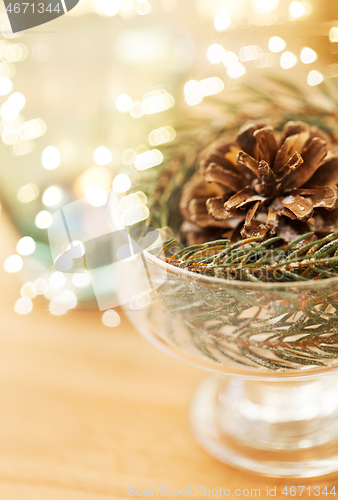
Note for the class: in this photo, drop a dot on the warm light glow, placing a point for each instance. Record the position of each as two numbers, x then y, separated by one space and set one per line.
121 183
162 135
215 53
229 58
24 305
52 196
52 292
297 9
51 158
25 246
235 70
211 86
333 34
43 219
276 44
28 193
102 156
133 200
136 110
250 53
22 147
265 60
57 279
28 290
80 279
13 264
32 129
40 286
143 8
111 318
68 298
288 60
134 215
9 112
308 55
222 21
314 78
129 156
5 85
10 135
148 159
57 308
124 103
17 100
111 7
265 6
96 196
157 101
101 176
193 93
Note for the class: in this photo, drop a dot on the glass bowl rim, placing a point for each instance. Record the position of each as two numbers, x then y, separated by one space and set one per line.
310 284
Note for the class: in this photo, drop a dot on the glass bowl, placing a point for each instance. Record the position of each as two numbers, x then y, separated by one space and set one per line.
271 404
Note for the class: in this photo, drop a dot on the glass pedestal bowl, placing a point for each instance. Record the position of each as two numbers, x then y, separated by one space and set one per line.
271 403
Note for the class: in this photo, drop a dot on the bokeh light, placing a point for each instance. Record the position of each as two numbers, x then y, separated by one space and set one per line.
229 58
102 156
96 196
148 159
50 158
44 219
235 70
215 53
17 100
24 305
124 103
28 193
265 6
193 93
314 78
28 290
162 135
333 34
121 183
5 85
297 9
80 279
52 196
25 246
57 308
276 44
40 286
308 56
111 318
13 264
100 176
288 60
57 279
222 21
134 215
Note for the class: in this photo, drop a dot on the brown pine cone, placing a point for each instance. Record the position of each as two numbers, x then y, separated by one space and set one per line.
263 185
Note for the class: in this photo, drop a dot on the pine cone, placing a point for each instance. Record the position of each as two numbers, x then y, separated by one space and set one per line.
263 185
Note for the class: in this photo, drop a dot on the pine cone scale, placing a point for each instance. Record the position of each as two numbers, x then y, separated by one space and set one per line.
263 183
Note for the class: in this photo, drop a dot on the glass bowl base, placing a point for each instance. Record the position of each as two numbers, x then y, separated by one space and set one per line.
275 429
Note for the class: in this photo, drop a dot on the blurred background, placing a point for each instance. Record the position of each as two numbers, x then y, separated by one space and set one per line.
82 96
83 415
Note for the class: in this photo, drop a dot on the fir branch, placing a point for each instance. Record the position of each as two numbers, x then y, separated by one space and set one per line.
247 259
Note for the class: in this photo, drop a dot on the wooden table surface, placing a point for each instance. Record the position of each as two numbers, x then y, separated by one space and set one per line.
87 411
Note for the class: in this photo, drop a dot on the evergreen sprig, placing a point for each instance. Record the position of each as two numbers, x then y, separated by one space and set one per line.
252 259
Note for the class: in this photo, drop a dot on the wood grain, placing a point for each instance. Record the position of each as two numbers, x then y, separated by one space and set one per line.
86 411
